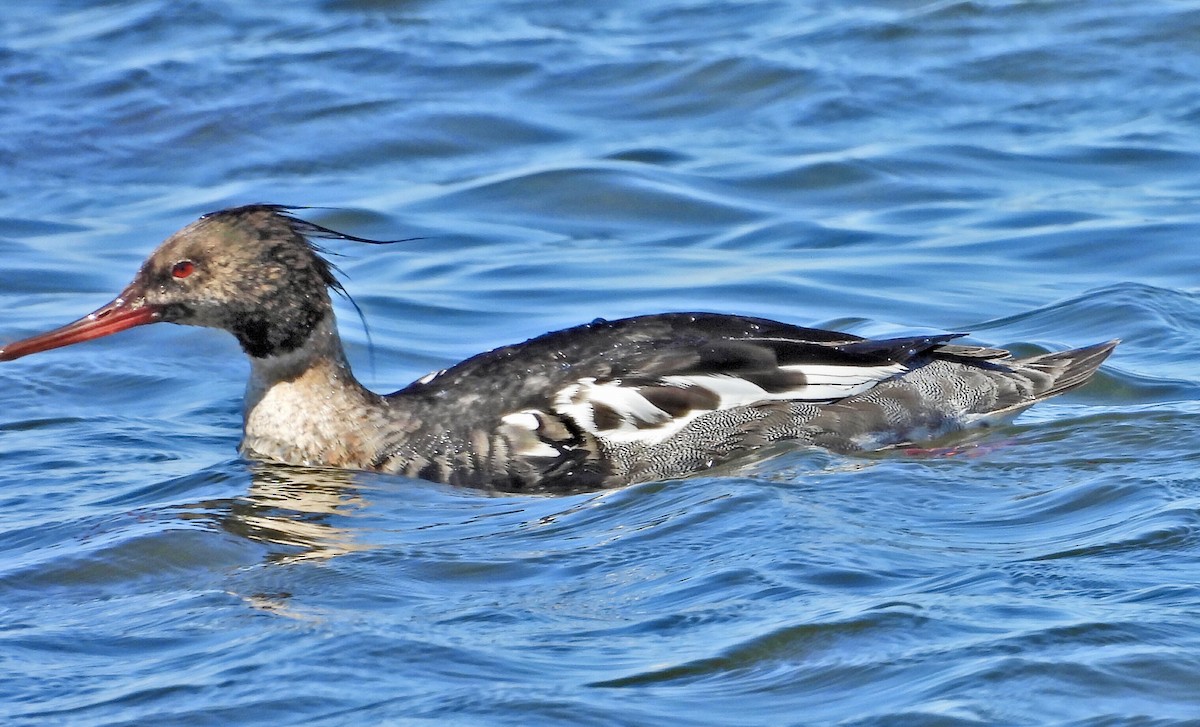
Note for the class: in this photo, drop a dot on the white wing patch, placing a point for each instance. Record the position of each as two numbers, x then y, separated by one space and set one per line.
627 401
523 430
827 382
622 412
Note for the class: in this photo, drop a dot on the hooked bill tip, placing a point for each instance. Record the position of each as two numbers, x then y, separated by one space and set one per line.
114 317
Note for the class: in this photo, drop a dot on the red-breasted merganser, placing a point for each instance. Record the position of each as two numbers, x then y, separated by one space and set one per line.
603 404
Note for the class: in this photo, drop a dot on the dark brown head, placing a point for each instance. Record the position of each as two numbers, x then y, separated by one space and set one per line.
248 270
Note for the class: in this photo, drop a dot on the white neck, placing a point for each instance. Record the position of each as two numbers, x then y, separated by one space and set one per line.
306 407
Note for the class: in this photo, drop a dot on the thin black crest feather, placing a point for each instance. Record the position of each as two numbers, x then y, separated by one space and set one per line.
312 229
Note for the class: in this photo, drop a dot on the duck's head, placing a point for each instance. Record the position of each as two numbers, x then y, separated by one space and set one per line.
249 270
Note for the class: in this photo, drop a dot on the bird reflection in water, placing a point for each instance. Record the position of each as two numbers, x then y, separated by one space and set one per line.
289 508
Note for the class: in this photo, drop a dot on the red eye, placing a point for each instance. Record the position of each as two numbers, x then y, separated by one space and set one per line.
183 268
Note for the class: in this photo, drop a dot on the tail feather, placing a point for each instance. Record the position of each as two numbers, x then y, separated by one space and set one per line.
1064 370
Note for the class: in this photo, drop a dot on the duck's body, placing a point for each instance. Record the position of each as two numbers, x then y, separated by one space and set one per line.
607 403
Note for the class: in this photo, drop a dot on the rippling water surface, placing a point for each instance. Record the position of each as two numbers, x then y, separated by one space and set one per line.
1026 171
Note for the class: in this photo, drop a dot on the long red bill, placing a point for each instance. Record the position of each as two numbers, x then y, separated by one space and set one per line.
116 316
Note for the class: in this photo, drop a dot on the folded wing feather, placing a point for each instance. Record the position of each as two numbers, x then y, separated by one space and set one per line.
651 405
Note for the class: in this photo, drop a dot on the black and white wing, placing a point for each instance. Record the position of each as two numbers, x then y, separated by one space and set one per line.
655 396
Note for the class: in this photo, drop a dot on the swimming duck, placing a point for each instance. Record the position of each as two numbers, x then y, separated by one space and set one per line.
603 404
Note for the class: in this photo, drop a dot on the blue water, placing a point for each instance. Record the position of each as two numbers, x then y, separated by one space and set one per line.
1025 171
